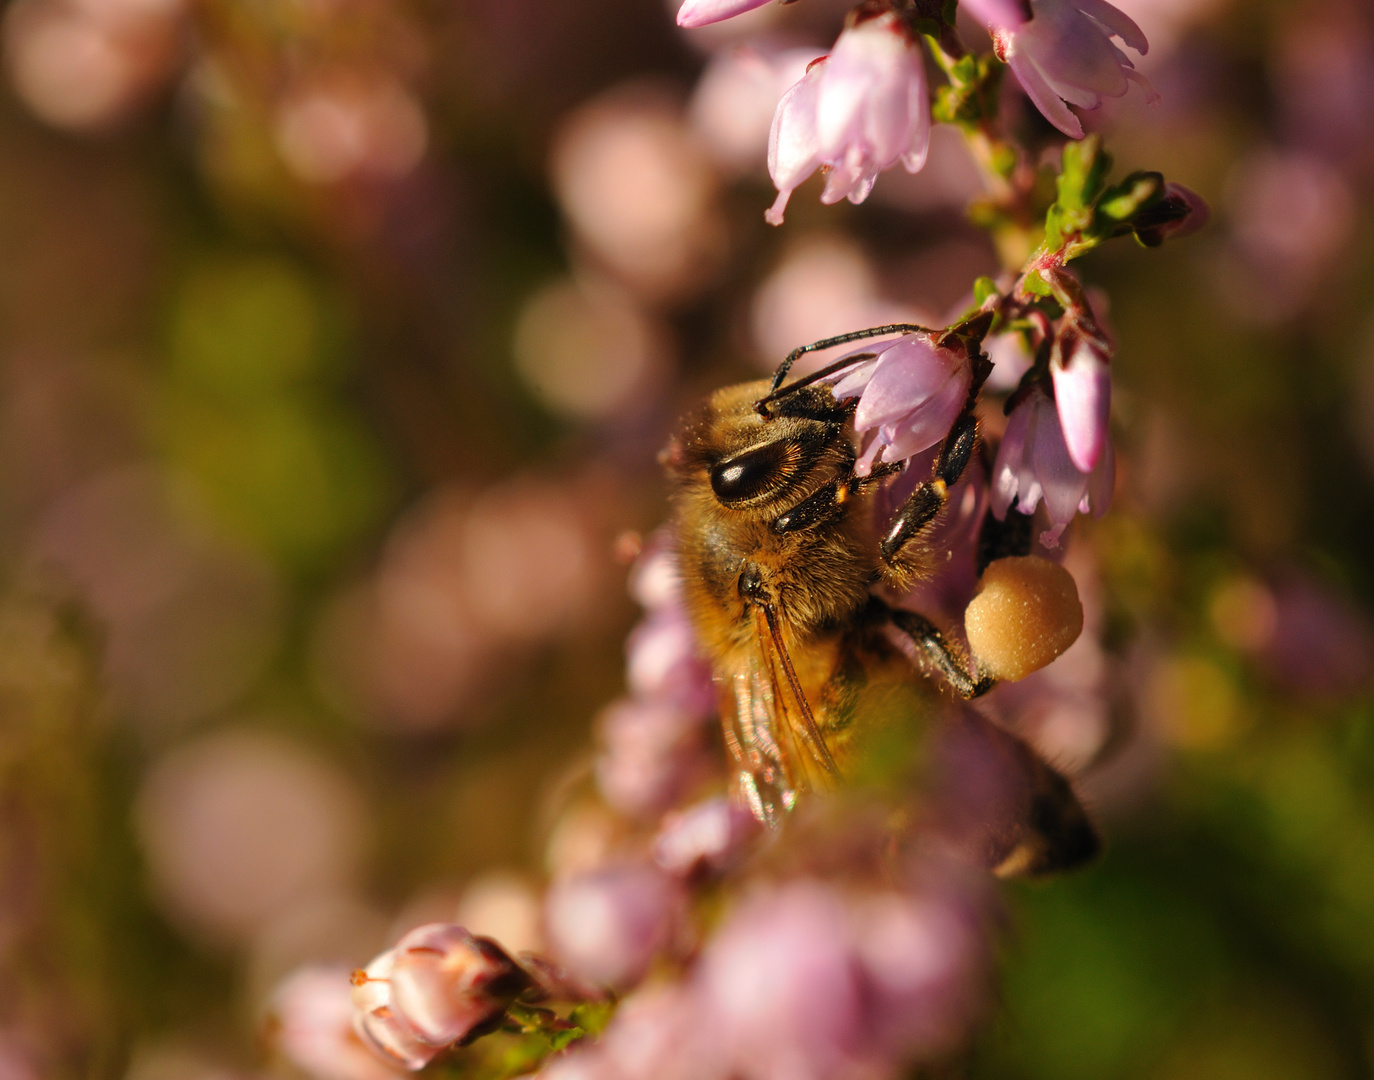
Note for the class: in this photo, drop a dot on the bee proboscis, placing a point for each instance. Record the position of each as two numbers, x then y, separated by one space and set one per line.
780 551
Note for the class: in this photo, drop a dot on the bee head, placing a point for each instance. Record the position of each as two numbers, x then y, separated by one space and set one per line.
753 460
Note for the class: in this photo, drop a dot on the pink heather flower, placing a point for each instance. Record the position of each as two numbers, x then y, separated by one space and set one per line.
377 1021
909 397
650 754
712 834
656 1032
1063 52
856 113
923 960
446 983
1033 462
607 925
694 13
1079 366
313 1013
782 989
664 664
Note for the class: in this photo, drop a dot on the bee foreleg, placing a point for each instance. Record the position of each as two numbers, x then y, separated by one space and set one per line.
828 502
937 651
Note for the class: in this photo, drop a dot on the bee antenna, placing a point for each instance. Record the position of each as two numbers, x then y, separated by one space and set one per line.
761 406
843 339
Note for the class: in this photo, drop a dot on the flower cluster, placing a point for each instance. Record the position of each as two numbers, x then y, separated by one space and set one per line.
806 979
865 106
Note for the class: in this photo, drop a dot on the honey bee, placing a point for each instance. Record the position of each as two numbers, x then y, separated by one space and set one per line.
781 549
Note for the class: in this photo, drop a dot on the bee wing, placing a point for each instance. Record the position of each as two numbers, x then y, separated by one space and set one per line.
770 731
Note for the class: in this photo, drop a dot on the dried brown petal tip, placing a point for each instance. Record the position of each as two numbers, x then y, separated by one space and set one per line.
1026 614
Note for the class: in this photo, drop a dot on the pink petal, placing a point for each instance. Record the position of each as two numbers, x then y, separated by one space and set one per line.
792 151
694 13
918 135
852 176
1007 467
1063 484
1101 483
1043 96
855 381
1116 21
907 375
1083 394
931 421
1076 58
996 14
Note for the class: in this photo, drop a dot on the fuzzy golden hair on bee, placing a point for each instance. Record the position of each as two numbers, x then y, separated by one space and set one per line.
785 550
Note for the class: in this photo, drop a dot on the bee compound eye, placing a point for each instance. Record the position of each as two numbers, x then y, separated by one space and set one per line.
753 473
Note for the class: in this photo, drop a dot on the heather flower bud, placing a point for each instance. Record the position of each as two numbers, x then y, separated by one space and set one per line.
1083 394
781 986
449 985
377 1022
1180 212
663 663
650 754
1025 615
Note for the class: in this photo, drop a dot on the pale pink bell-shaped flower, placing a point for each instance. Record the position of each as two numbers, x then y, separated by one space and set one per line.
1033 462
1063 52
607 925
446 983
781 987
923 960
650 753
379 1024
1083 395
663 663
857 112
712 834
910 394
694 13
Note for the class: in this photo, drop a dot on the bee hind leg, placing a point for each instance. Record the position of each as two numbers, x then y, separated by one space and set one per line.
931 644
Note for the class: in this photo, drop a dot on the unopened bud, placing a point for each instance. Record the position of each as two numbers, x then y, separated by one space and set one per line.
449 985
1180 212
377 1021
1025 615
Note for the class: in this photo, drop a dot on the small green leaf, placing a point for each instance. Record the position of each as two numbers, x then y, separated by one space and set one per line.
1124 200
983 288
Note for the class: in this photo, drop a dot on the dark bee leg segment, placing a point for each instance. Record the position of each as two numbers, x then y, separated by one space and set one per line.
828 502
932 644
814 509
929 498
1000 539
